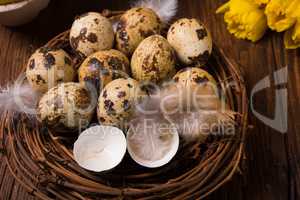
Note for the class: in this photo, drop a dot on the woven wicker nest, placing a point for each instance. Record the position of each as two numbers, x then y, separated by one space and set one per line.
43 162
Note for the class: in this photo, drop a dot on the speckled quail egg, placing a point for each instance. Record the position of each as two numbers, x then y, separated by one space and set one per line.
193 76
102 67
48 67
66 107
191 41
91 32
198 86
135 25
117 100
153 60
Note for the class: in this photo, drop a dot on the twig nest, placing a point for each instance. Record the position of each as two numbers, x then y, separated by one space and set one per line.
100 148
135 25
117 101
153 60
152 142
66 107
91 32
191 41
102 67
48 67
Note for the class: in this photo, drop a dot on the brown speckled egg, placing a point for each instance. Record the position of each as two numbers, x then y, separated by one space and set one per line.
153 60
48 67
117 100
191 41
193 76
135 25
102 67
91 32
66 107
198 86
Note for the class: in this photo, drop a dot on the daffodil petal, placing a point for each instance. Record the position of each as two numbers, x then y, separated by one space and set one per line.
277 17
245 19
292 37
223 8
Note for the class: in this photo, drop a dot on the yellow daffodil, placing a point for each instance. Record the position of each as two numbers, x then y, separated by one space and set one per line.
292 37
280 14
244 18
261 2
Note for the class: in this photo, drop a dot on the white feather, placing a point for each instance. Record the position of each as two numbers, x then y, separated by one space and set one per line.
166 9
18 98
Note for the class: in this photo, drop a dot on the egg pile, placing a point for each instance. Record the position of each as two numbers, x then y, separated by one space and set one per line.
110 81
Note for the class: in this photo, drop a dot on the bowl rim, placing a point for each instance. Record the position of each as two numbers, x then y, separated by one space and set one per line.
14 5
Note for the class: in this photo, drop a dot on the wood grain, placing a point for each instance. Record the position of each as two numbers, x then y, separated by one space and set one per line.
271 169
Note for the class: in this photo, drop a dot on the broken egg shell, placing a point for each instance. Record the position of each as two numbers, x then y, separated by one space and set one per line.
135 25
66 107
91 32
117 101
102 67
100 148
48 67
153 60
149 150
191 41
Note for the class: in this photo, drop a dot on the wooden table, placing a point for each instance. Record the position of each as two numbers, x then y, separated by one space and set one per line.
272 166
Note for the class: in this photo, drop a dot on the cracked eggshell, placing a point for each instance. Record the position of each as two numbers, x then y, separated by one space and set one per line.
100 148
66 107
91 32
102 67
152 142
153 60
191 41
47 68
135 25
117 101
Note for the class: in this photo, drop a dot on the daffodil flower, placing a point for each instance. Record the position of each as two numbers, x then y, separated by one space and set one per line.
280 14
292 37
245 19
261 2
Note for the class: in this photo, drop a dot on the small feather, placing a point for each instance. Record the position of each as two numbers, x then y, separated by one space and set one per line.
166 9
18 98
192 121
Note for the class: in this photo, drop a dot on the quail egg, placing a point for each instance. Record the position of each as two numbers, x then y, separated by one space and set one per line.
102 67
193 76
48 67
91 32
199 88
117 100
66 107
153 60
135 25
191 41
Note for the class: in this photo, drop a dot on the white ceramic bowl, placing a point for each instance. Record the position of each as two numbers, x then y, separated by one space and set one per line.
15 14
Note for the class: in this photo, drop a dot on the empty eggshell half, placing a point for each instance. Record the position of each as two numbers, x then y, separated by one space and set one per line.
100 148
152 145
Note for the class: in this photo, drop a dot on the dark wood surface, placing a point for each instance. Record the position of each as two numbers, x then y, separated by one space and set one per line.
272 166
